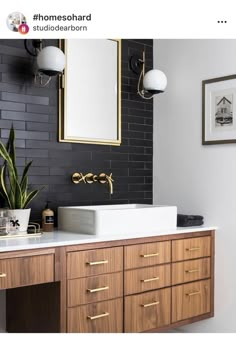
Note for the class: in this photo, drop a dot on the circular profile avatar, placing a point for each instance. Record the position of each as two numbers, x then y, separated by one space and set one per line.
17 20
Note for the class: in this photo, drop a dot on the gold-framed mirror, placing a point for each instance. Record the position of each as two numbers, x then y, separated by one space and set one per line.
90 92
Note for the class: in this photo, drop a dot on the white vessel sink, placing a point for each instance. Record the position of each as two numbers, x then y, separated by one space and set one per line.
117 219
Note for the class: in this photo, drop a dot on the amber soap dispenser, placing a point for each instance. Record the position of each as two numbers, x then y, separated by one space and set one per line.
47 219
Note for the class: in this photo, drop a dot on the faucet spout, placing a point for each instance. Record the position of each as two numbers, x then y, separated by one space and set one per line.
110 183
104 178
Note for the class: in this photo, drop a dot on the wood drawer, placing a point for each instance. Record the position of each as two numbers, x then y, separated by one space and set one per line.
188 271
93 289
22 271
190 300
183 249
94 262
141 255
145 279
102 317
147 311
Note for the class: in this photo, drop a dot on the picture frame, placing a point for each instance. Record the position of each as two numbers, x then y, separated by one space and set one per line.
219 110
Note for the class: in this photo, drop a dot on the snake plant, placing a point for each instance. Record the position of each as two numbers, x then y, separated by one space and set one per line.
14 189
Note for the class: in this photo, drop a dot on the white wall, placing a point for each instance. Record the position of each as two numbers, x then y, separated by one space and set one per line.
198 179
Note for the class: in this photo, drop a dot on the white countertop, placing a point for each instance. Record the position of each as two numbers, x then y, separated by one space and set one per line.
62 238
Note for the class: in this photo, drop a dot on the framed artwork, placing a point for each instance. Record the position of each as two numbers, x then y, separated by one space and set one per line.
219 110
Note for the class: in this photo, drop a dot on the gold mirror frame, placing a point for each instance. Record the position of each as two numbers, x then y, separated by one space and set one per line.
62 104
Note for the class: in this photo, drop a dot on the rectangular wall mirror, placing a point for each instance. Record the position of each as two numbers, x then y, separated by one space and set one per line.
90 92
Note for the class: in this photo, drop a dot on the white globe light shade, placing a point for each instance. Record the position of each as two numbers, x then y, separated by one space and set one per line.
51 60
154 81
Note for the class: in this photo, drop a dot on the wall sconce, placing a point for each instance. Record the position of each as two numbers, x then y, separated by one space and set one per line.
50 60
150 83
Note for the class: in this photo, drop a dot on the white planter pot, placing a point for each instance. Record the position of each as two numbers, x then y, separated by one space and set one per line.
21 216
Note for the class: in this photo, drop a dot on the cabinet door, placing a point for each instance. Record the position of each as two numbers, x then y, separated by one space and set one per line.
145 279
23 271
147 311
190 300
102 317
94 262
93 289
187 271
190 248
141 255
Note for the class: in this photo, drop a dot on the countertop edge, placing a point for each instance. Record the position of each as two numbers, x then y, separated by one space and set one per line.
61 238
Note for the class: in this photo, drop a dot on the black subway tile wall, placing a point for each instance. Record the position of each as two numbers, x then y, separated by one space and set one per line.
33 110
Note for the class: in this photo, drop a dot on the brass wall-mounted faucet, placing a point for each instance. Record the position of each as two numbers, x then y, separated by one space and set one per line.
91 178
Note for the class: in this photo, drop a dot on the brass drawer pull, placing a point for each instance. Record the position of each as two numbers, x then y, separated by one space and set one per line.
150 304
193 249
150 279
150 255
193 270
193 293
97 263
105 314
98 289
2 275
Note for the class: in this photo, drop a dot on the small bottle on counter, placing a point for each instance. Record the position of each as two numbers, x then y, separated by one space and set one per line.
47 218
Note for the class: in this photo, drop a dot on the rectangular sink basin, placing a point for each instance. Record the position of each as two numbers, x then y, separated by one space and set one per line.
117 219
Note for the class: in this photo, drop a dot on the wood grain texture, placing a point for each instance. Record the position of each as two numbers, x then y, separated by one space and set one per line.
133 254
27 253
78 320
185 305
33 309
77 289
191 248
26 271
187 271
45 305
77 262
136 281
139 318
133 241
60 275
188 321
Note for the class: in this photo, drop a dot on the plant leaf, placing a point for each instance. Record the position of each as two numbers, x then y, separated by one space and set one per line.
12 182
18 196
30 196
1 189
5 155
12 194
12 174
11 168
24 186
24 190
25 172
11 149
4 192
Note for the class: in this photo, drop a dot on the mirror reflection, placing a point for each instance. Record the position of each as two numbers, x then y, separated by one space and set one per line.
90 92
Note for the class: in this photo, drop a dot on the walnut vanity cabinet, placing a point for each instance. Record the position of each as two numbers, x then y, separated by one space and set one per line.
147 310
32 285
141 285
192 261
95 291
150 284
